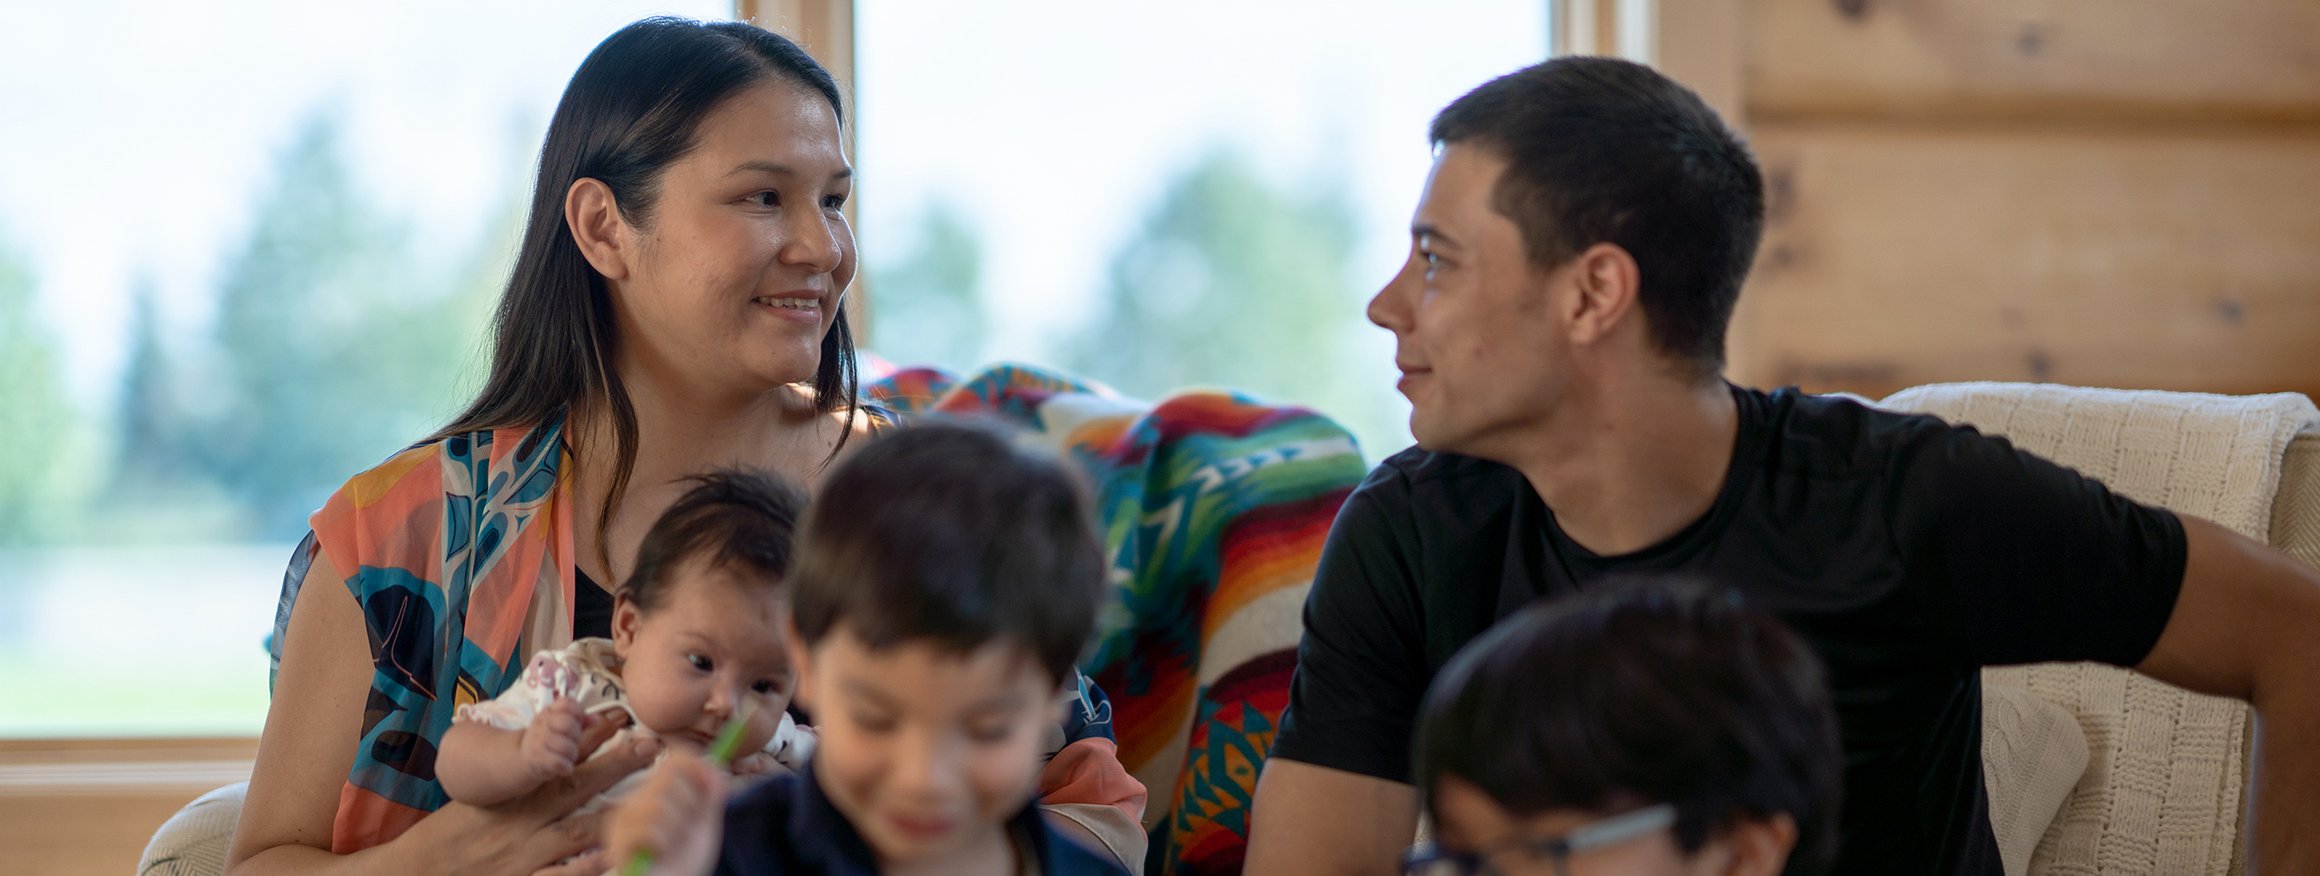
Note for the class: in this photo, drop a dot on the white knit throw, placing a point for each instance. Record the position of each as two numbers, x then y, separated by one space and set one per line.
2161 791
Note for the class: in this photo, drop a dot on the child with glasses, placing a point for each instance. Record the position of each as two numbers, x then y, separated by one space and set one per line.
1645 728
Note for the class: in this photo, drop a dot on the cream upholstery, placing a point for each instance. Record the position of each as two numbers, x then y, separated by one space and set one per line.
2161 793
2033 753
193 842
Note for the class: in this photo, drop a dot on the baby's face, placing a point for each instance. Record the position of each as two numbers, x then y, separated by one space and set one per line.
714 644
925 750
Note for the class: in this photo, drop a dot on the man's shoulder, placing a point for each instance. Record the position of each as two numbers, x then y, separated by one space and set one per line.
1840 435
1420 495
1418 472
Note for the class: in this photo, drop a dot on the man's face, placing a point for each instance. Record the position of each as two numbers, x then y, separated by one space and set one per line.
1475 333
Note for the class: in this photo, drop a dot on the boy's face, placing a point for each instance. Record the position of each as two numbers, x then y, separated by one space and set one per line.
714 643
1468 821
927 752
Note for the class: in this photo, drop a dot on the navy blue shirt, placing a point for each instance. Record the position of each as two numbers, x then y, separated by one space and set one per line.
788 826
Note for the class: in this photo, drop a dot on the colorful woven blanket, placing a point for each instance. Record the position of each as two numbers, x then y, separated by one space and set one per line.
1214 506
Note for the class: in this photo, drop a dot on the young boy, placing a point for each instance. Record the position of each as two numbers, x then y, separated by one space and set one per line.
947 578
1641 729
695 638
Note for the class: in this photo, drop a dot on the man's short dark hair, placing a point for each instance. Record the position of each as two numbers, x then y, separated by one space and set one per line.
1641 692
1602 150
951 531
737 520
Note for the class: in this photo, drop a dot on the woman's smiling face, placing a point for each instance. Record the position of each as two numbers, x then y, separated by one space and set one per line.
738 266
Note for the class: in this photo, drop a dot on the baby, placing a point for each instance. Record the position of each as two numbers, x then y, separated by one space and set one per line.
696 637
947 579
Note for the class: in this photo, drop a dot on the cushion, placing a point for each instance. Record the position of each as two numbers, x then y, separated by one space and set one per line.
2033 753
2166 767
194 841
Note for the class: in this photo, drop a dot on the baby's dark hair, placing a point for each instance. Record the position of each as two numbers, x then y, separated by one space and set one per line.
1641 692
951 531
741 521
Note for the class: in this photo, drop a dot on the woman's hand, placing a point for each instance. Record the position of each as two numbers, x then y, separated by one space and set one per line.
535 833
676 817
303 759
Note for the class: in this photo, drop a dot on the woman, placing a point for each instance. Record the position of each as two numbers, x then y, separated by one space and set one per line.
676 306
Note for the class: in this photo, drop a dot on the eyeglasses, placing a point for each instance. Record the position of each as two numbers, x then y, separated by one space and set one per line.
1427 859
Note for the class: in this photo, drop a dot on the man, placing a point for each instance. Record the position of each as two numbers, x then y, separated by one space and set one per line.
1560 322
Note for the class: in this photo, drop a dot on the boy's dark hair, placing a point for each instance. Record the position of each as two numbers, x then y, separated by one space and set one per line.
1637 693
1603 150
949 531
742 521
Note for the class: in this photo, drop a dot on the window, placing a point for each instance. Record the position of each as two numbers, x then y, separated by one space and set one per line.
246 249
1201 193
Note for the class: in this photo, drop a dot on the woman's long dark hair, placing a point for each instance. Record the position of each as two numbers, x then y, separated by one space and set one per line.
634 107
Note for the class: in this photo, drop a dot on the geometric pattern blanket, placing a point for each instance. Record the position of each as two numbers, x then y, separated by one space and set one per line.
1213 507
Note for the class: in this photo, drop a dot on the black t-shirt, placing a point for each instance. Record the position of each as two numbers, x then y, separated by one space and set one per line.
1908 552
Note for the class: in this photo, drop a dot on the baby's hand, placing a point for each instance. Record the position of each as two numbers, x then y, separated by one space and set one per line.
760 764
551 744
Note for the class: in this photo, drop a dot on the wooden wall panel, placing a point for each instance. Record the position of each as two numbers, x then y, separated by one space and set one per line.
2237 59
1696 43
825 28
1899 254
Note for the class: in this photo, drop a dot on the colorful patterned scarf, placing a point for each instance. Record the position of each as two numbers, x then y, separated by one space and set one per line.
447 547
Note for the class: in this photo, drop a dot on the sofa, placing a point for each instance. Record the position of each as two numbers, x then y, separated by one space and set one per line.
1214 506
2094 769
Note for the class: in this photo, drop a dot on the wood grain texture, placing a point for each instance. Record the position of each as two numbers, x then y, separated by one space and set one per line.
1900 255
2157 59
825 28
1699 46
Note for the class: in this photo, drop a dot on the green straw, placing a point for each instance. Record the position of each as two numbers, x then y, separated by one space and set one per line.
720 754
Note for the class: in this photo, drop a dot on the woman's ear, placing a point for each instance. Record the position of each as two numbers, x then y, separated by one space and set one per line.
603 236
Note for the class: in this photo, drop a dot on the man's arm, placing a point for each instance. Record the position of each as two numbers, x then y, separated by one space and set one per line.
1333 797
2247 625
1315 821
